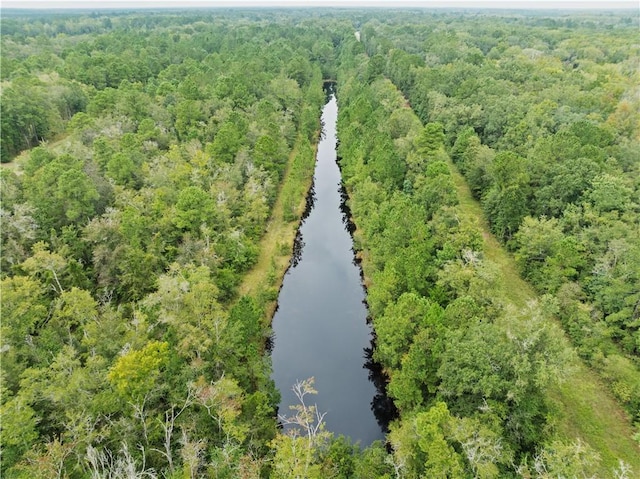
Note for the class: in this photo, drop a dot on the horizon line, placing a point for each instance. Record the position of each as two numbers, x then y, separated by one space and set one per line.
120 5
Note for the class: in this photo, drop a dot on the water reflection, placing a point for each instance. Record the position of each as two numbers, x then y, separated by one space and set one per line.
298 241
381 405
320 324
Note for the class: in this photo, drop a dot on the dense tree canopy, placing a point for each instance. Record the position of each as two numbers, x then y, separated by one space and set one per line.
145 153
533 113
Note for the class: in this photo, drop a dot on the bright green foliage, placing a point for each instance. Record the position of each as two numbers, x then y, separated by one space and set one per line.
560 459
527 149
74 310
122 169
546 256
124 243
193 209
416 379
374 463
135 373
223 401
421 445
267 155
435 188
47 266
505 203
398 326
543 147
23 308
385 165
297 451
18 430
430 139
125 350
227 142
441 459
62 193
188 115
292 459
34 110
609 193
482 445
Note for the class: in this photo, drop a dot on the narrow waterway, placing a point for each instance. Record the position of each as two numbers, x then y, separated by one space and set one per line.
320 326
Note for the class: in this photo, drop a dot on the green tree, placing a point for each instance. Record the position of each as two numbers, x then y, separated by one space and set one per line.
193 209
396 328
187 118
430 139
609 193
18 431
296 452
62 193
122 169
227 142
135 374
545 255
506 201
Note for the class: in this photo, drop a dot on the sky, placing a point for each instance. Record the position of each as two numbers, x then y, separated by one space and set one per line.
505 4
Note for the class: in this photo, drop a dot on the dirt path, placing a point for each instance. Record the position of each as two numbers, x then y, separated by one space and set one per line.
276 247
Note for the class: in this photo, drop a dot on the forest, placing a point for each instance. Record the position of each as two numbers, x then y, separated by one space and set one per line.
493 177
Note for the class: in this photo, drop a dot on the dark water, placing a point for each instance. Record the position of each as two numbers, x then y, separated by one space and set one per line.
320 325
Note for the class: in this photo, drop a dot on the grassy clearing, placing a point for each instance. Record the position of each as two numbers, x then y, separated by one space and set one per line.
57 144
276 245
582 406
516 291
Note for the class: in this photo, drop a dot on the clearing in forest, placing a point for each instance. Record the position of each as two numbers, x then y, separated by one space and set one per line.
585 410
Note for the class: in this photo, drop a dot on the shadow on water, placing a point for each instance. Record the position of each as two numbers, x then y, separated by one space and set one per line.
346 213
294 302
298 241
329 88
382 406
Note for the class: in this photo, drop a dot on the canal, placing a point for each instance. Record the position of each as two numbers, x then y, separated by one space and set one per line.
320 326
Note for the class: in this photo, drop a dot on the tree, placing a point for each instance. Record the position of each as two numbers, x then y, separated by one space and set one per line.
73 310
47 266
384 164
545 255
421 447
513 366
435 188
397 327
609 193
193 209
227 142
506 201
561 459
62 193
19 230
441 459
19 429
188 116
134 375
564 183
416 380
268 155
375 68
27 118
122 169
306 435
430 139
482 444
24 310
